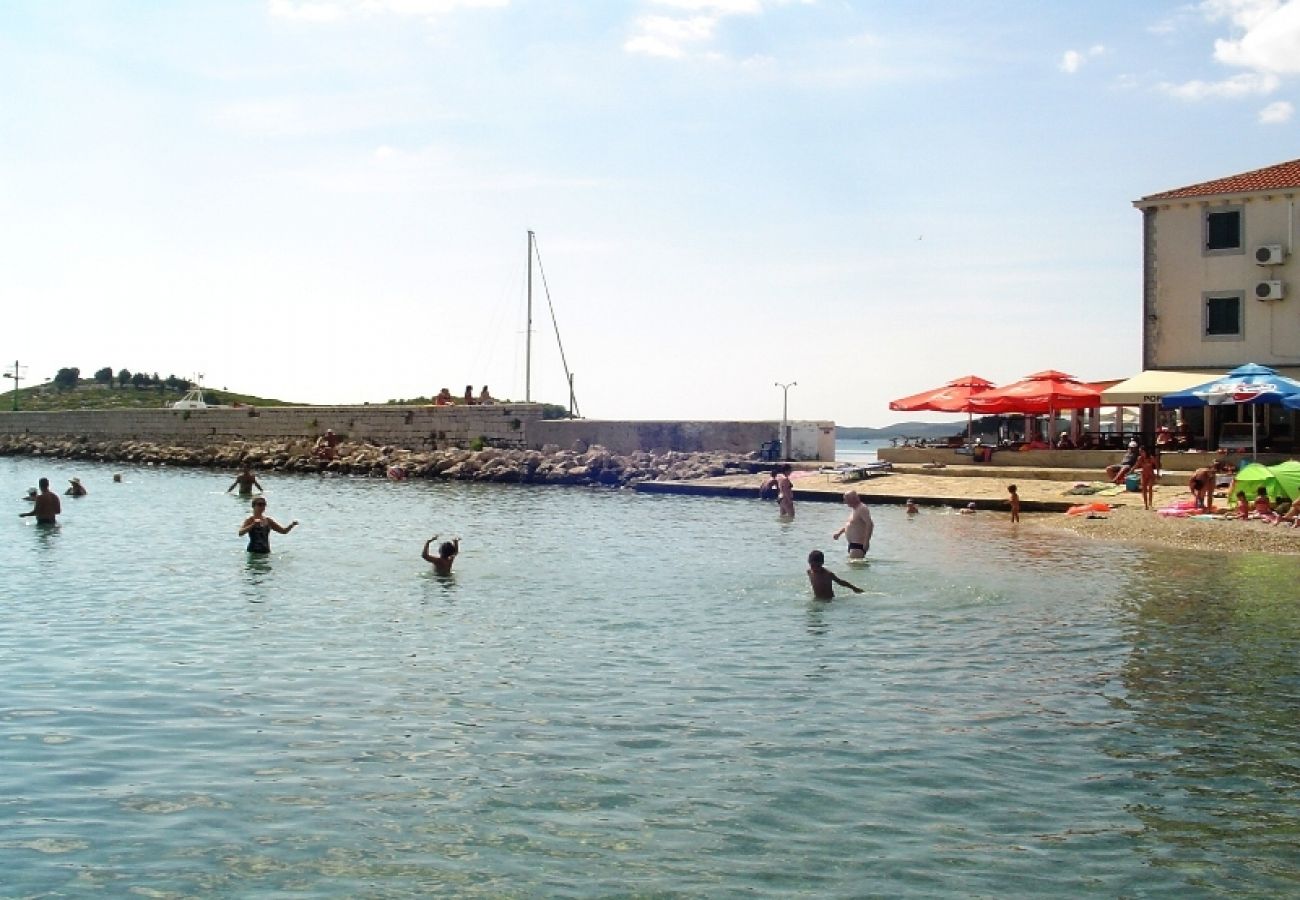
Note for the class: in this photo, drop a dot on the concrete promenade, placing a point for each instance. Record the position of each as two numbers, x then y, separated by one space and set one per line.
1041 490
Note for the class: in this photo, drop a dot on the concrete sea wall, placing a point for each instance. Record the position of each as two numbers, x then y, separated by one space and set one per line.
808 440
412 427
506 425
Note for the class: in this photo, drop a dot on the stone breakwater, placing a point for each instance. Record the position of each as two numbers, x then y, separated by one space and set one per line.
550 465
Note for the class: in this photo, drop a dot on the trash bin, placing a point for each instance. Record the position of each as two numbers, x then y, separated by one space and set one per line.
1133 481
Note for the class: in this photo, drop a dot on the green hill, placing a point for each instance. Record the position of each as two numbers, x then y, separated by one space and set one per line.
89 394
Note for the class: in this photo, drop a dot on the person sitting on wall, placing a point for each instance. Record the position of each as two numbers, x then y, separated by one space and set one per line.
1118 472
444 398
469 395
326 445
484 398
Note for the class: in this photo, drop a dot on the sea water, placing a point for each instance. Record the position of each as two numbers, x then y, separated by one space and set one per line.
617 694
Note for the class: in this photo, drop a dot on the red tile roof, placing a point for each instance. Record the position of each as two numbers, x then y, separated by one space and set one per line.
1272 178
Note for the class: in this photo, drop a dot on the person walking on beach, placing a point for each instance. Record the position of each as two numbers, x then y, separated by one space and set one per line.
246 481
1014 501
446 554
859 527
1146 466
823 580
259 526
780 479
46 505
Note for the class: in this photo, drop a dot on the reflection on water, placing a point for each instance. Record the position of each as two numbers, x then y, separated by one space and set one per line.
623 695
1213 682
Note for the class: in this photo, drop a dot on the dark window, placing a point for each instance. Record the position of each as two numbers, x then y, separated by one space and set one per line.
1223 230
1222 316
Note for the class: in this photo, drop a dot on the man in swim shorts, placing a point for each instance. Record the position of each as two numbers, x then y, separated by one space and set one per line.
859 527
1201 484
46 505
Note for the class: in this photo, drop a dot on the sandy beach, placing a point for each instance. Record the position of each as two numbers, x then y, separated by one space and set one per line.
1043 504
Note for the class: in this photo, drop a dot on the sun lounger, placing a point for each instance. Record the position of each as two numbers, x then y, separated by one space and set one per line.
855 472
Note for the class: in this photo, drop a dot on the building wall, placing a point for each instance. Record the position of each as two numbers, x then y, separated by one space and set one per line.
413 427
1178 273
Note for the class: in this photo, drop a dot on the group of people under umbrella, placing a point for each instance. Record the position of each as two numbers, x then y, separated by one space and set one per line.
1050 392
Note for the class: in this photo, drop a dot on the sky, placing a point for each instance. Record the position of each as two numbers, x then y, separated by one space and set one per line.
327 201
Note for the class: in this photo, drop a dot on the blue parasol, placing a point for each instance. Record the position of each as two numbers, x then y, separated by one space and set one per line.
1250 384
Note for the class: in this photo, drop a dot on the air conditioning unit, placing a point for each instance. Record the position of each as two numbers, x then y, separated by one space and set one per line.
1269 255
1268 290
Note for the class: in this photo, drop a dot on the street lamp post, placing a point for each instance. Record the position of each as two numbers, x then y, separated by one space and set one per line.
16 375
785 405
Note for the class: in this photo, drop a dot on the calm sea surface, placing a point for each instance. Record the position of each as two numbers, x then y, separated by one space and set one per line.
626 695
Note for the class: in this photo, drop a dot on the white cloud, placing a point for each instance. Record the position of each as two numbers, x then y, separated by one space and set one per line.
1270 38
696 23
670 37
1247 84
1073 60
1264 40
338 10
1276 113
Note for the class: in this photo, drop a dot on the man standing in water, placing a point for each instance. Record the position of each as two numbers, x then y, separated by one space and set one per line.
859 527
246 481
46 505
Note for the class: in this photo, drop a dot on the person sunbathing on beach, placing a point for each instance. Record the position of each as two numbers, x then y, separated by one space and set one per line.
446 554
823 580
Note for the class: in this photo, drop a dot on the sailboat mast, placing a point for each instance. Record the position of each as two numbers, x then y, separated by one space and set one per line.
528 329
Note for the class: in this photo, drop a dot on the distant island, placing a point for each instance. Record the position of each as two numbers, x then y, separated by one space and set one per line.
985 425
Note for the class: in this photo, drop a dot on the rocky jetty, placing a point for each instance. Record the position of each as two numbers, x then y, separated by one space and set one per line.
576 466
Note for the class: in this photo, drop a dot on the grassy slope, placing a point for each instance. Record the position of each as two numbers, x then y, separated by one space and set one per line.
89 395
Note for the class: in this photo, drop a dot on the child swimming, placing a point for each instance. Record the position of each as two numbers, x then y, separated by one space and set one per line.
446 555
823 579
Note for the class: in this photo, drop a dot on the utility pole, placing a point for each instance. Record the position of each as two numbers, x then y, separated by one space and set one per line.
528 329
785 404
16 375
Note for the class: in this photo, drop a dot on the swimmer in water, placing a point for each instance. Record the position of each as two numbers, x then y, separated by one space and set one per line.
823 580
859 527
259 526
45 505
246 481
780 479
446 554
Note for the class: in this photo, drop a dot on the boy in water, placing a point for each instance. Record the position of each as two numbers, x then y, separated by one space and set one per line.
823 579
1014 500
446 555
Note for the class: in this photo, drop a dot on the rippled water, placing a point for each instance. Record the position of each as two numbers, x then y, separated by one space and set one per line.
627 695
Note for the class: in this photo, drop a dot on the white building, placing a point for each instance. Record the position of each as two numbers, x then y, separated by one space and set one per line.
1221 281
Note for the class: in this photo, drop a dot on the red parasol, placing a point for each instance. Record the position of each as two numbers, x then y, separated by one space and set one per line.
1040 393
955 396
